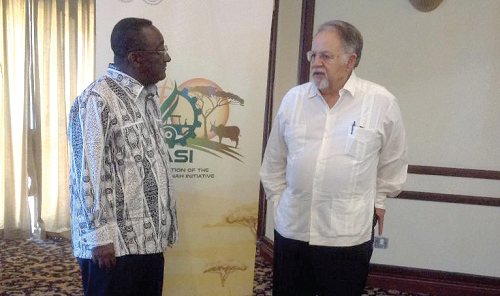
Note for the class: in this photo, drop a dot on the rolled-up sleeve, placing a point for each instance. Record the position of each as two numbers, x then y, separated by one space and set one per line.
393 164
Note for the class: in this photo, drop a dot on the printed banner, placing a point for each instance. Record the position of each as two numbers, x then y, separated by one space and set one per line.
212 103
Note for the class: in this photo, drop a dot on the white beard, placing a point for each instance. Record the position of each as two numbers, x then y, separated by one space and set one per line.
322 83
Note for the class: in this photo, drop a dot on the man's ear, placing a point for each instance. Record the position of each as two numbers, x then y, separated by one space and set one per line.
134 60
351 62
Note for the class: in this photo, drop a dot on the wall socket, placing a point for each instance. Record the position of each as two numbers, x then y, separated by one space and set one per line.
380 242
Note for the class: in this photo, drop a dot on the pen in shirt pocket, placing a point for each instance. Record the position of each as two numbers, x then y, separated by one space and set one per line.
353 125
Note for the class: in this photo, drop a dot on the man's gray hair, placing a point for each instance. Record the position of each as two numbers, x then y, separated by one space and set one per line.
352 41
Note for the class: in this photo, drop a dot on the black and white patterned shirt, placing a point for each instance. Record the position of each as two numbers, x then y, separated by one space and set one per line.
120 182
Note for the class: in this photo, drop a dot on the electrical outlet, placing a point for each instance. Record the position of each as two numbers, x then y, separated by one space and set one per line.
380 242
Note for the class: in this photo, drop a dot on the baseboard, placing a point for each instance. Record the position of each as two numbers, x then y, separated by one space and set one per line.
266 249
439 283
434 282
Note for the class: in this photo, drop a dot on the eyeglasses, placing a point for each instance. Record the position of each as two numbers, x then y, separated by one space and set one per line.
324 56
163 52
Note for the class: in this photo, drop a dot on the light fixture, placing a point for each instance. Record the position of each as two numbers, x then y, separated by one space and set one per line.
425 5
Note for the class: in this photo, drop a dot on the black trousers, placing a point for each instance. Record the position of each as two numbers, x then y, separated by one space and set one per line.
133 275
304 270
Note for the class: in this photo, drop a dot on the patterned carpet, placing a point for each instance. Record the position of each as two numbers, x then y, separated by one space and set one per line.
48 268
38 267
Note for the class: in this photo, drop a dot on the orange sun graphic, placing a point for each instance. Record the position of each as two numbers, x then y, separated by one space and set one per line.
210 115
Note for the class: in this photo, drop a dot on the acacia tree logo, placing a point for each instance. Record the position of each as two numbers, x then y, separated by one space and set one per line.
209 99
203 99
224 267
245 215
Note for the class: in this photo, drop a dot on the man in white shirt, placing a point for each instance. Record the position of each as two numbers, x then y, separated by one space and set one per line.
336 151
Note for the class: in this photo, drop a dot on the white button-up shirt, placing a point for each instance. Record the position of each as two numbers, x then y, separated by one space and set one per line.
327 169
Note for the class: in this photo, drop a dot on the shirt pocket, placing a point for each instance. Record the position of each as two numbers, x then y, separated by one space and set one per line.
362 142
347 216
295 138
132 132
287 212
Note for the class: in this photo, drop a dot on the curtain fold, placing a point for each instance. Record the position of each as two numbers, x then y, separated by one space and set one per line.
64 34
14 210
60 49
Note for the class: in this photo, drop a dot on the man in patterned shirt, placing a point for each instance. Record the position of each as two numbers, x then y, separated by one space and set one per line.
123 209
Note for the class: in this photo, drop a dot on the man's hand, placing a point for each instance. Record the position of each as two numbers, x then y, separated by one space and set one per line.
104 256
379 213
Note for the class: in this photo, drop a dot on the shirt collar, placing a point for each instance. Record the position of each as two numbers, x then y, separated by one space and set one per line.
128 83
313 91
349 86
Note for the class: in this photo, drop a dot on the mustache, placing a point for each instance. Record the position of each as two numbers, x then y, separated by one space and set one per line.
318 71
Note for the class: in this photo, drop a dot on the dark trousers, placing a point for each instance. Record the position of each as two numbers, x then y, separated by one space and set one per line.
133 275
304 270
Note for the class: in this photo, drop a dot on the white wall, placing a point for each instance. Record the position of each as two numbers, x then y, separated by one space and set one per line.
444 67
